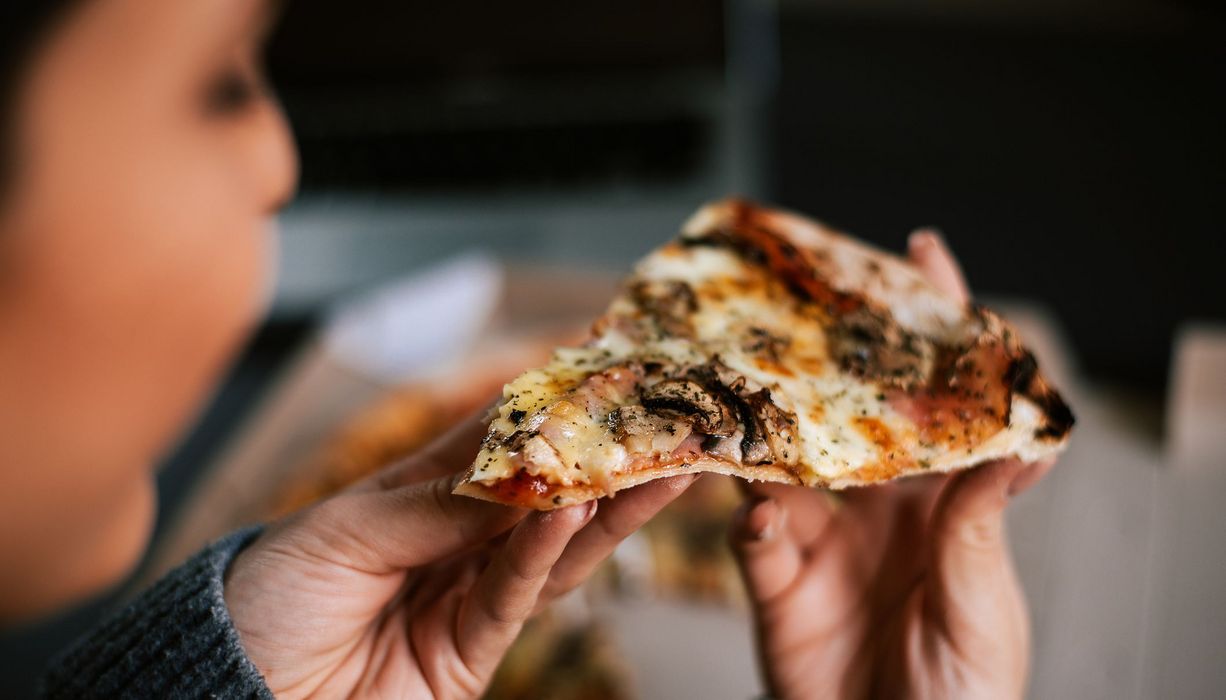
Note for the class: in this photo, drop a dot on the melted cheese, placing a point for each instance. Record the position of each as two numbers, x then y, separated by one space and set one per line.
732 299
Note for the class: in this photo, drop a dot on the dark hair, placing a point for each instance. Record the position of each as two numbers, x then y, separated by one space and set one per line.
23 24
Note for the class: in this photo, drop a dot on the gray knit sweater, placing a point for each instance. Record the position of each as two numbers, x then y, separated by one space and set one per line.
174 641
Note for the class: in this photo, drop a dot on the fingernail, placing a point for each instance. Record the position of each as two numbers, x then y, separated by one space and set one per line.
1024 479
591 511
761 520
1015 485
927 236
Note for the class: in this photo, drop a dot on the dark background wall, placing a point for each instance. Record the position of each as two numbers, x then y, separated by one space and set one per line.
1079 160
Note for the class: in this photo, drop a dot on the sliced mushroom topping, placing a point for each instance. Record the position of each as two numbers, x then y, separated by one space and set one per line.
729 386
641 431
629 420
515 441
718 377
754 451
870 344
764 343
774 428
768 433
669 302
727 449
655 370
494 439
702 408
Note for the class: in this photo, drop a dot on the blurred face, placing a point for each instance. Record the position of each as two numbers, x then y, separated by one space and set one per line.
135 247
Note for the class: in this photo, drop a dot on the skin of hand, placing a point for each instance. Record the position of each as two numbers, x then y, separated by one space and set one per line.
905 589
398 588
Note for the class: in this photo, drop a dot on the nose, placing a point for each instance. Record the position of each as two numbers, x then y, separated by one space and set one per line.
275 159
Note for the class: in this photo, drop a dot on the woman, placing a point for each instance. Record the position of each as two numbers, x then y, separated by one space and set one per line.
144 161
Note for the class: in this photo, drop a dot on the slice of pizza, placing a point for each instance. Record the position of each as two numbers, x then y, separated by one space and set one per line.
765 346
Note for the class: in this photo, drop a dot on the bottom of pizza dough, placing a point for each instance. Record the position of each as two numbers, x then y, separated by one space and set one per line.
1020 440
563 496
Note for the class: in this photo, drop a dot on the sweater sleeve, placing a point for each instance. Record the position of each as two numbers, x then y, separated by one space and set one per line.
174 641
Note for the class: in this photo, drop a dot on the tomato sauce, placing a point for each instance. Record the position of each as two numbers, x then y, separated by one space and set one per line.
523 489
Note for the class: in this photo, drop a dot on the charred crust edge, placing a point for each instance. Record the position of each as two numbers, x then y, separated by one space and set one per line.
1024 380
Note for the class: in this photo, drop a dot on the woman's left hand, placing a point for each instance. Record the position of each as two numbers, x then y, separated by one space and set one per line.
398 587
905 589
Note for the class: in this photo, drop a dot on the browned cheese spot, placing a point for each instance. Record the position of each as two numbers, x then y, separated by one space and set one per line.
892 458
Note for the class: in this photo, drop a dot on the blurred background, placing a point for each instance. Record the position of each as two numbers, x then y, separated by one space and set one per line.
1071 151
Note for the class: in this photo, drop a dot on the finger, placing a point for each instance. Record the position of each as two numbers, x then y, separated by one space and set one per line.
968 514
917 496
616 520
809 511
970 556
1030 476
927 251
974 596
430 618
506 592
971 506
769 558
384 531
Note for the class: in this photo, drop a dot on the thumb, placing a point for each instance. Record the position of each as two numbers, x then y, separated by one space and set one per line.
969 516
388 530
975 595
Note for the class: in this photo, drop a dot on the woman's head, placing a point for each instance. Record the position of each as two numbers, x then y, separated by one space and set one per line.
145 163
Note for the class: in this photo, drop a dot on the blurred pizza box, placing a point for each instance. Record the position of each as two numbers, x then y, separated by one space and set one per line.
1196 406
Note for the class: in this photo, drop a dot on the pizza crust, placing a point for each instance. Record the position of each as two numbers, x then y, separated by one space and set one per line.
564 496
1018 440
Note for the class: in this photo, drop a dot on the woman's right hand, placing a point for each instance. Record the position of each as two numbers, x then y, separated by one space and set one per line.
397 587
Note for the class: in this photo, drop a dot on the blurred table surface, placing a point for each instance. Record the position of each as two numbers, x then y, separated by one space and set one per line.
1120 549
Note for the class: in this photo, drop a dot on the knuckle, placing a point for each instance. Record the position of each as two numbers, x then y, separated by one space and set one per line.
524 570
440 498
614 529
501 612
979 533
440 492
465 681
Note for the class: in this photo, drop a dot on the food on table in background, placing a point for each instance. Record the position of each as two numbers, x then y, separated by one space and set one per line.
763 345
409 417
391 429
558 660
690 559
